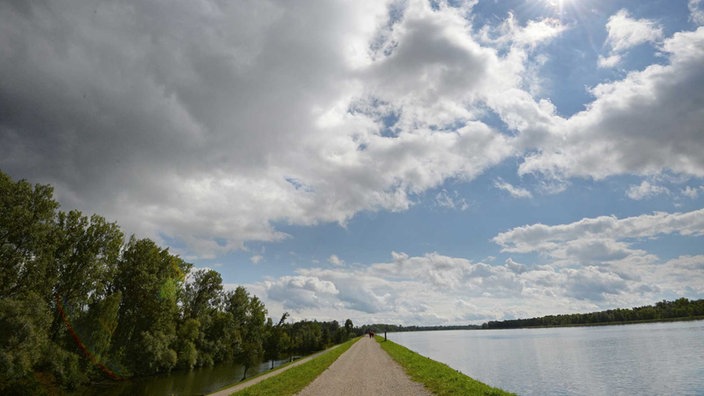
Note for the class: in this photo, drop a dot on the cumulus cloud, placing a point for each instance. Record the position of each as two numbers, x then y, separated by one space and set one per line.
438 289
547 239
592 284
621 130
209 123
645 190
625 32
296 292
405 290
334 260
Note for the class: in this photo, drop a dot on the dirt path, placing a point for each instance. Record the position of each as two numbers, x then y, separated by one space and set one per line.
365 369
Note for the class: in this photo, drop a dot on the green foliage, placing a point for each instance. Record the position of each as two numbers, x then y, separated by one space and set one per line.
202 294
95 329
249 314
63 365
23 321
78 303
665 310
85 259
153 353
26 238
437 377
296 378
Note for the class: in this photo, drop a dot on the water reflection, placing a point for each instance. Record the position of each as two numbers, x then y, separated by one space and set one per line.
195 382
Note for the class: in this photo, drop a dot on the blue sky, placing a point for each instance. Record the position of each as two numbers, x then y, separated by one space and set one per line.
405 162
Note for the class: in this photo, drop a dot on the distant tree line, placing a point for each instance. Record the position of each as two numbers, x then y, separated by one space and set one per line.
391 328
664 310
78 303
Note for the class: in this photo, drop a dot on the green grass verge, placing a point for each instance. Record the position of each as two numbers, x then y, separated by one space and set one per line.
295 379
437 377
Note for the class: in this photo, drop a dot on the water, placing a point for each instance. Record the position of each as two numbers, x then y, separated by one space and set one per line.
184 383
641 359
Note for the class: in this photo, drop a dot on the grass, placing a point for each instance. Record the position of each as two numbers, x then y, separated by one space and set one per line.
295 379
437 377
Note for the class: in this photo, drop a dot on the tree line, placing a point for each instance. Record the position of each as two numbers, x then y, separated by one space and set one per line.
679 309
79 302
393 328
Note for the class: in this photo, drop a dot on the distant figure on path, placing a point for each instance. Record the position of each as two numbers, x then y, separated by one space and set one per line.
371 334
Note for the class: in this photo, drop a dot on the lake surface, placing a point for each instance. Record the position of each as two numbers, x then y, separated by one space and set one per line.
638 359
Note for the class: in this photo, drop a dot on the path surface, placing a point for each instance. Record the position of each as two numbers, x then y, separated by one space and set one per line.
256 380
365 369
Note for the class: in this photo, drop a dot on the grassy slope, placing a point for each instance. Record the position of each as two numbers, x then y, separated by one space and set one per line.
295 379
437 377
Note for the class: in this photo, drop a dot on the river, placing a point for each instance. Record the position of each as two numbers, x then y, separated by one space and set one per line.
178 383
638 359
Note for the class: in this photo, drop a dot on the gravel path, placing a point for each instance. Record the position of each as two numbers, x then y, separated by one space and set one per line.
365 369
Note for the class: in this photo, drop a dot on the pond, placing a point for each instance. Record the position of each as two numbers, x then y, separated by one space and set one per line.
638 359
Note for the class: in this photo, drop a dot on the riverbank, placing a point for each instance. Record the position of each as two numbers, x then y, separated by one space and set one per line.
288 379
364 366
438 378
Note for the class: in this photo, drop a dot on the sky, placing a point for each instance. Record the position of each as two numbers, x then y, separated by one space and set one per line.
406 162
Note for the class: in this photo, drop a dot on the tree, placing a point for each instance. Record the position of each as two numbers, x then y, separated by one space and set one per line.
149 279
307 337
87 251
277 341
249 315
202 293
200 299
26 238
23 320
349 327
219 339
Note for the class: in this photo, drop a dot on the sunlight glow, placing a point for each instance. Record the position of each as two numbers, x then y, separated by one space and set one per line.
558 5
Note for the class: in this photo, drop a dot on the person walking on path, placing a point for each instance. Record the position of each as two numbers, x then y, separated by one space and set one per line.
365 369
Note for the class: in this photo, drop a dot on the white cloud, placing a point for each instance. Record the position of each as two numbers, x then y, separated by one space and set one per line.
516 192
621 131
209 123
296 292
217 122
443 199
625 32
595 260
514 266
550 239
593 284
645 190
510 32
334 260
691 192
438 289
696 11
405 290
683 275
609 61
